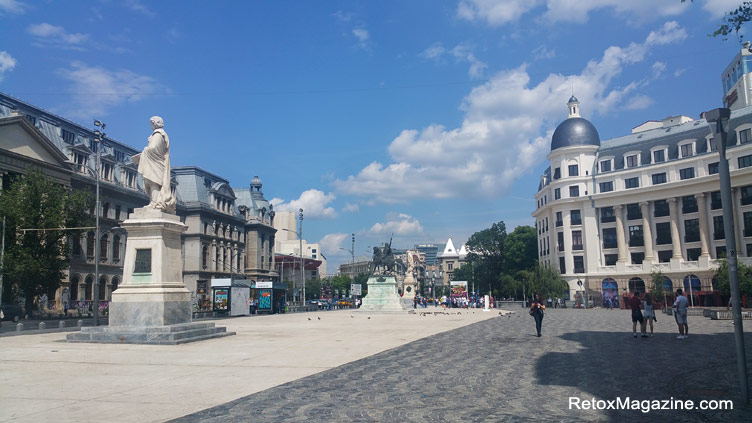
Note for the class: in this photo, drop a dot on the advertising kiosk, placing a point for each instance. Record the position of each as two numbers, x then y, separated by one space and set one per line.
231 298
271 297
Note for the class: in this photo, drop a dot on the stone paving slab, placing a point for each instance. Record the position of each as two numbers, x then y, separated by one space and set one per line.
42 378
497 370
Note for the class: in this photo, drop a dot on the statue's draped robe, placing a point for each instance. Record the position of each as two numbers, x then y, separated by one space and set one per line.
154 165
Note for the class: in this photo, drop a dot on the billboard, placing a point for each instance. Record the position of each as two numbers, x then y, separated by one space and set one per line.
458 289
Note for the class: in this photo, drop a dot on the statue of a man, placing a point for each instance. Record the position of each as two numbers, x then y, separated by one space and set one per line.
154 165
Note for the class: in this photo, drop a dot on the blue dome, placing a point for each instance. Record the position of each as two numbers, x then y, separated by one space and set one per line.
573 99
575 131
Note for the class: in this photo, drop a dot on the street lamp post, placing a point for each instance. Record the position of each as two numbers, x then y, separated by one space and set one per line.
718 120
302 263
99 135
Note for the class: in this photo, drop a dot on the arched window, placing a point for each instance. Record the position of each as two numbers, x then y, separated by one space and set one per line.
204 256
104 243
89 288
116 248
692 284
636 285
75 280
90 241
102 294
667 284
114 286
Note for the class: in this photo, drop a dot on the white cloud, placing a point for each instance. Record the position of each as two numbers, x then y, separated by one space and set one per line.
362 35
137 6
542 52
7 63
717 8
343 16
12 6
401 224
351 207
331 243
95 89
495 12
56 36
500 12
461 53
579 10
505 132
314 203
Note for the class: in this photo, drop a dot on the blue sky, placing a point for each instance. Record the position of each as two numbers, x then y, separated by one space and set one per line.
426 119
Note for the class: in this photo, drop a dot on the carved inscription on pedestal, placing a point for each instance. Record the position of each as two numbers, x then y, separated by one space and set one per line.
143 261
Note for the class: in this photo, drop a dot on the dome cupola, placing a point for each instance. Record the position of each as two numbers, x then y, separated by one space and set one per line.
575 130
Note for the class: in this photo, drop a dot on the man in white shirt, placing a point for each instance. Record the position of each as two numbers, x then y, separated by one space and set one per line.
680 314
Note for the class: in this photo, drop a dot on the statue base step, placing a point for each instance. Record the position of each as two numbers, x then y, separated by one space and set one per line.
157 335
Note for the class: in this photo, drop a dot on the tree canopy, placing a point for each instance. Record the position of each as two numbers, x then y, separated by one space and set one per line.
35 260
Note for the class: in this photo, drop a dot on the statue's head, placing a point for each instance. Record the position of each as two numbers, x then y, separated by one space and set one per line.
156 122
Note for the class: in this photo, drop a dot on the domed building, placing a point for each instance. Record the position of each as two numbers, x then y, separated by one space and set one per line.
611 212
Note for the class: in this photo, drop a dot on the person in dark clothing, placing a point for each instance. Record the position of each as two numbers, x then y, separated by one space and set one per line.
536 310
634 304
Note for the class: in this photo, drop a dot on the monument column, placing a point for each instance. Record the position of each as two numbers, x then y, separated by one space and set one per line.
152 305
675 239
703 219
620 238
647 233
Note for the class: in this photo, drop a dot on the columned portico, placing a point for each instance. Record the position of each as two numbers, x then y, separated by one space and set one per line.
675 239
647 232
620 237
703 216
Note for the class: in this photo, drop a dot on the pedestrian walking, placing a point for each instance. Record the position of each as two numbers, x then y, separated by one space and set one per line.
647 305
635 304
415 303
537 310
680 314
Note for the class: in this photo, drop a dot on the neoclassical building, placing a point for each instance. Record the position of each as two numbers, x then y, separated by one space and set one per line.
34 138
611 212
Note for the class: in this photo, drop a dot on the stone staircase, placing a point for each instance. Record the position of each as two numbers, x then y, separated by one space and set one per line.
158 335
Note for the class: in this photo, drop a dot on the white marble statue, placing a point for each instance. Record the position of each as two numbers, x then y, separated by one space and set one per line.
154 165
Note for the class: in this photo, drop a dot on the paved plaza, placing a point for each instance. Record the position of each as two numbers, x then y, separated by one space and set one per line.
345 367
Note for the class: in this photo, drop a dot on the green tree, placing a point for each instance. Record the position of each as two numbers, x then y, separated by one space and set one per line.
744 273
35 260
657 285
545 280
521 248
487 253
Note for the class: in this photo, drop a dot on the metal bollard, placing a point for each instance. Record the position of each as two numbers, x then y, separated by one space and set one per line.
19 327
79 323
42 326
61 325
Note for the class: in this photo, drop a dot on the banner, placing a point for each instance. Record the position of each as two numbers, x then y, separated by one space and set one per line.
459 288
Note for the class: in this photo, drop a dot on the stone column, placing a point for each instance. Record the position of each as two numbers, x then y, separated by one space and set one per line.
620 238
675 238
703 215
738 220
647 233
213 258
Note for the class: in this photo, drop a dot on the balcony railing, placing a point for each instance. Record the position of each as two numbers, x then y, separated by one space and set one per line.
608 219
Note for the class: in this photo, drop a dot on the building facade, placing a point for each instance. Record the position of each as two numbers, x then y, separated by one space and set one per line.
450 260
609 213
32 138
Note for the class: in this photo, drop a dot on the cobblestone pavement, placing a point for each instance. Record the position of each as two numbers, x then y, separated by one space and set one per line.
497 370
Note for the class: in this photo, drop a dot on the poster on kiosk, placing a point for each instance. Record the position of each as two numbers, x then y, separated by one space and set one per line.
231 297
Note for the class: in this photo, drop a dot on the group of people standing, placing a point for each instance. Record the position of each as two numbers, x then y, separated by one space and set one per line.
643 312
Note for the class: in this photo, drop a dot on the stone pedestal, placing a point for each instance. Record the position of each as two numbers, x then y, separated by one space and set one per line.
382 295
151 305
409 287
